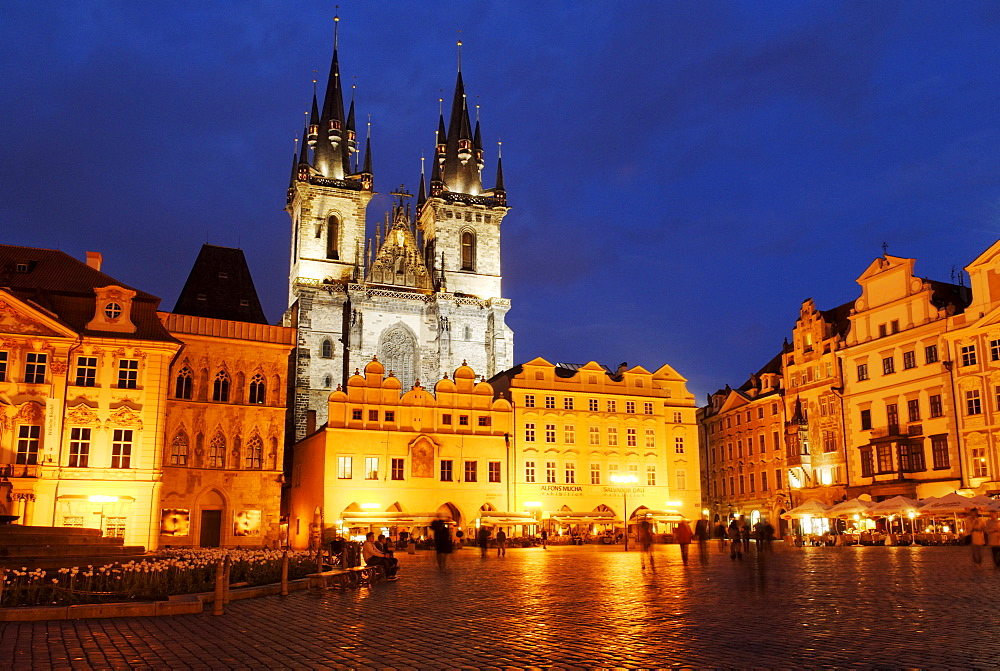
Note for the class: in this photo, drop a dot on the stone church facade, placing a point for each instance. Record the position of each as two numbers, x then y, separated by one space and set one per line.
423 295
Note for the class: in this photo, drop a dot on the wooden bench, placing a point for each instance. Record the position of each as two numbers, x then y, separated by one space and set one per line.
356 576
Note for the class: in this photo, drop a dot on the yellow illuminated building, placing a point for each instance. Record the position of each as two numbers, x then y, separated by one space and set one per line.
83 368
394 460
973 339
580 430
743 450
900 410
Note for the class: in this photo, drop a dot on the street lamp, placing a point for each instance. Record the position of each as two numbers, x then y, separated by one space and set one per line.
625 480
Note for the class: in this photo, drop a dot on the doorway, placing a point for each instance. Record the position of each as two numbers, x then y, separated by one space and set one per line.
211 528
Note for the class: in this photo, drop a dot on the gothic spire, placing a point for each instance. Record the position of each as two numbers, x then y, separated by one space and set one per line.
332 153
460 172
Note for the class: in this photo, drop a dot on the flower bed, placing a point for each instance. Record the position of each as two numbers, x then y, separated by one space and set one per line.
178 571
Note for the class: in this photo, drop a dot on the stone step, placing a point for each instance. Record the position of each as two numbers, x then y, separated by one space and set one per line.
43 540
8 531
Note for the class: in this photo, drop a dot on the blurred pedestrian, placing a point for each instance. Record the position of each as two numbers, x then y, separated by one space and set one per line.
735 539
483 540
976 526
720 535
644 534
682 534
745 533
701 532
442 542
338 550
501 543
545 539
993 537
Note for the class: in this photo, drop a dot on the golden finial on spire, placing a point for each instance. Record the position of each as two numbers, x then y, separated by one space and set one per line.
459 50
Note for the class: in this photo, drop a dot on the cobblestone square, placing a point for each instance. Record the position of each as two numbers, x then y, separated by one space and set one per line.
589 606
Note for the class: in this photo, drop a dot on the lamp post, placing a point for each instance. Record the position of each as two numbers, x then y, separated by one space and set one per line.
625 480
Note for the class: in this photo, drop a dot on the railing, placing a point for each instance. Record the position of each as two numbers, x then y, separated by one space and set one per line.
338 183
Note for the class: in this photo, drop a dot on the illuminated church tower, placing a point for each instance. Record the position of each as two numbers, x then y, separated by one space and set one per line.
423 293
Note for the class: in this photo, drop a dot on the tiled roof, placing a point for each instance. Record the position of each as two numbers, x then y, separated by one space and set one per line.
65 286
220 287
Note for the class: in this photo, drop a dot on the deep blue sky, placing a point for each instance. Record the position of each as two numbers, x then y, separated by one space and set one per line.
682 174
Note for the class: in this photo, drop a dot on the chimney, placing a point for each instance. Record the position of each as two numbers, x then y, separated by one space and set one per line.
94 260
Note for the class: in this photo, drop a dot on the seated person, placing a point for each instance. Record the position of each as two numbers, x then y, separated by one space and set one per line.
374 555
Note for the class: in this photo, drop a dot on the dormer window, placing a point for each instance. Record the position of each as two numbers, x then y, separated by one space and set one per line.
223 275
22 267
113 310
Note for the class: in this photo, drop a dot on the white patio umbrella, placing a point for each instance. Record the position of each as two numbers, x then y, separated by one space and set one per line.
949 504
897 505
811 508
849 508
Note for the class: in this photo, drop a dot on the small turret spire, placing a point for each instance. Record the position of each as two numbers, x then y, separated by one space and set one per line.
368 151
499 187
422 191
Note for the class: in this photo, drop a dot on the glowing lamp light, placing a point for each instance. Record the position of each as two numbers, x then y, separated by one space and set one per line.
532 504
857 517
101 498
370 506
673 504
911 514
624 479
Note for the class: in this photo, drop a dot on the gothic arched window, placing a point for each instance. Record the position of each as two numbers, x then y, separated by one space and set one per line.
255 453
468 250
258 389
220 388
185 384
333 237
179 450
217 452
326 349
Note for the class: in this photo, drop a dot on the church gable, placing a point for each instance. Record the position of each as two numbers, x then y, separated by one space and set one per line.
399 261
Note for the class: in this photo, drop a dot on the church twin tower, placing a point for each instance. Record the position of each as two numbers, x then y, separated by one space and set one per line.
424 294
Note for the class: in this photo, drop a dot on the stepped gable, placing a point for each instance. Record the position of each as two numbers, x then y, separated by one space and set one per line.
220 286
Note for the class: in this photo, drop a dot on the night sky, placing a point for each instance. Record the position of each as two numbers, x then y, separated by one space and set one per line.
682 174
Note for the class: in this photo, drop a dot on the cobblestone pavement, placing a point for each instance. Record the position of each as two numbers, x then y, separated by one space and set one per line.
578 607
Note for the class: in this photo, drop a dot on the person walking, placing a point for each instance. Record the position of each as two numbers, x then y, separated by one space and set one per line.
644 534
992 529
682 534
735 539
745 534
442 542
976 526
483 540
501 543
720 535
701 532
545 539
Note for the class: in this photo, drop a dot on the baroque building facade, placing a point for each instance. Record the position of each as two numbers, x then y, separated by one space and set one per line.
901 418
580 428
423 294
83 375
